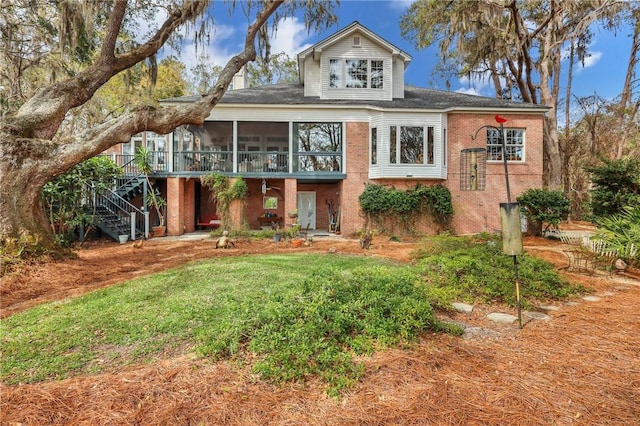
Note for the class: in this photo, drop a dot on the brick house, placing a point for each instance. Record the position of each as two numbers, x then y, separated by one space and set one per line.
350 120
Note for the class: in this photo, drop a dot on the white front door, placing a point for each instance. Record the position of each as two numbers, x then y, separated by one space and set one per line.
307 209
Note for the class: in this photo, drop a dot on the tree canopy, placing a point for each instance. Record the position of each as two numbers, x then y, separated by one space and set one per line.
520 46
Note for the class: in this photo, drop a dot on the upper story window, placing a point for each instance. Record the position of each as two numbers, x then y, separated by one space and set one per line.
411 145
514 143
356 73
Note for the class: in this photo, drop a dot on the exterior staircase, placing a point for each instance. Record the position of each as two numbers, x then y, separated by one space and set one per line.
113 212
130 187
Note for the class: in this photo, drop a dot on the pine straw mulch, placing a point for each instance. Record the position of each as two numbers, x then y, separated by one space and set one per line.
580 367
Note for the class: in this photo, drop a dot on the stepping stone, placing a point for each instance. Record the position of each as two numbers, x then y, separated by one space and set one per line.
621 288
462 307
536 315
592 298
550 308
572 303
503 318
607 293
479 332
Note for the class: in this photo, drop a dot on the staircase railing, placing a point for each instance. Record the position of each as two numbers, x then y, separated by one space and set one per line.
135 220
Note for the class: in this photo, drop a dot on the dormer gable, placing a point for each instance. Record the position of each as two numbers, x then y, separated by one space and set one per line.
354 63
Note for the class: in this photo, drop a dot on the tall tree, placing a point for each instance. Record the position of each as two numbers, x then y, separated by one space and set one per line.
516 43
628 107
89 35
203 75
280 68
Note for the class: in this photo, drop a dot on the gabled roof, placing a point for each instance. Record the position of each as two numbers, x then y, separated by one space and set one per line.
415 98
355 26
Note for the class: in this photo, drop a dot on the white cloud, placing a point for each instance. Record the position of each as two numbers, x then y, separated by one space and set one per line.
469 91
290 37
592 59
475 86
400 4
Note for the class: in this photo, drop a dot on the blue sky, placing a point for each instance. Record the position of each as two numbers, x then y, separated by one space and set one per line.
603 73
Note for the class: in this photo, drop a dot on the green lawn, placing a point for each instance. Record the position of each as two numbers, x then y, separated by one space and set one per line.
301 314
294 315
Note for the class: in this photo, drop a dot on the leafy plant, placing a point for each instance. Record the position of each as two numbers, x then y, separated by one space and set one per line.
617 185
63 197
223 193
544 206
468 269
621 232
143 161
379 202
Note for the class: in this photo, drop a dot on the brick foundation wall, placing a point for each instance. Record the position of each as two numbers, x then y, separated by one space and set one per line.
189 204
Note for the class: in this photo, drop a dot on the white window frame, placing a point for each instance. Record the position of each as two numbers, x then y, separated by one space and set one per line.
426 159
515 139
341 73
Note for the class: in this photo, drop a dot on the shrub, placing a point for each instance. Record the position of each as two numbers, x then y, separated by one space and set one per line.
617 185
470 269
378 202
336 314
223 193
63 197
621 232
544 206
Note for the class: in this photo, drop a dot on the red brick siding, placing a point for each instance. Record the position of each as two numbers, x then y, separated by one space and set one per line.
175 206
477 211
357 169
474 211
189 204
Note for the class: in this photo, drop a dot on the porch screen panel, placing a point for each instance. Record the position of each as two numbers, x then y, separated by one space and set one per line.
318 147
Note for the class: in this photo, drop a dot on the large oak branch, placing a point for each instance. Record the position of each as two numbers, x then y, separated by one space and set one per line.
166 119
41 115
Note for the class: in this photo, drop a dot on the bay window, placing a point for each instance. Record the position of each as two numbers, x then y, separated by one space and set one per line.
411 145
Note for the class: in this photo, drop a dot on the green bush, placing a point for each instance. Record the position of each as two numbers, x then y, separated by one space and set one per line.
315 332
544 206
63 197
617 185
378 202
476 269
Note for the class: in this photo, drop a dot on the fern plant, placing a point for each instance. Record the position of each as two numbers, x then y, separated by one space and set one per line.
621 232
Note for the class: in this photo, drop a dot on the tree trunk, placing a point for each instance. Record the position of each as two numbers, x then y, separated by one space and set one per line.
20 203
552 153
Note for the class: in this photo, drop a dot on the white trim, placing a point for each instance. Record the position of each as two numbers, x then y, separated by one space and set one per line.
506 111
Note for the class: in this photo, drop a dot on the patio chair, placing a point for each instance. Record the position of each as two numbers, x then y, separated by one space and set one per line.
302 233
